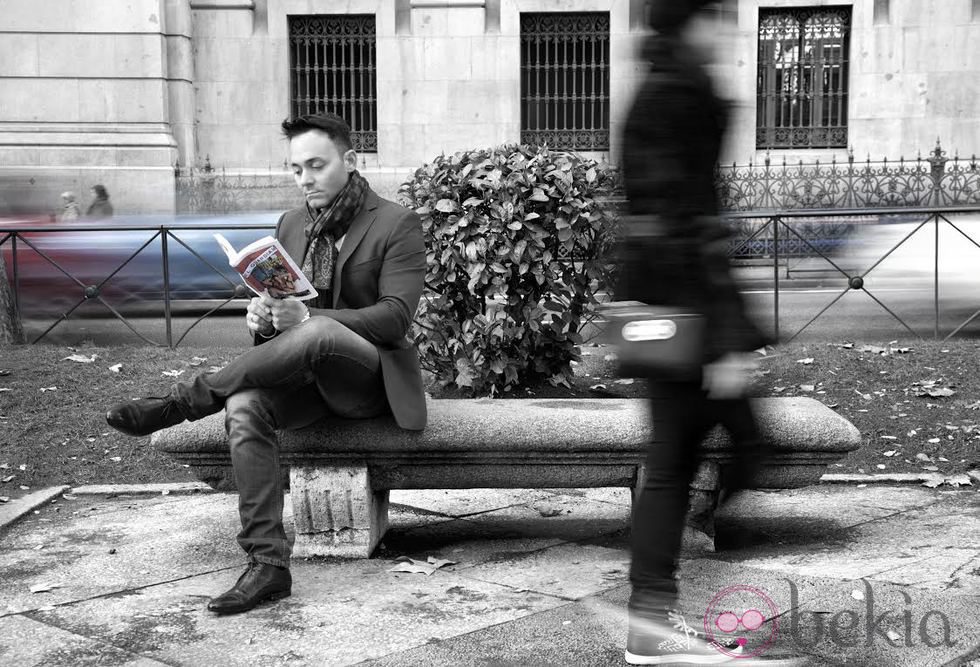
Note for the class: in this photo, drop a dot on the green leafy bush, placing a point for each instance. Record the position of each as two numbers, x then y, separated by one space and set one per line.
517 240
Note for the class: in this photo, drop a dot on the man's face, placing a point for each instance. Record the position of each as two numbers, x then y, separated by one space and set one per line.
320 169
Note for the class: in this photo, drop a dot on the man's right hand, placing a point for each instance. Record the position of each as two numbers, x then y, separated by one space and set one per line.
258 318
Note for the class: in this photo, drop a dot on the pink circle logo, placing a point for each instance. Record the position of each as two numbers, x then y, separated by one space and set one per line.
744 616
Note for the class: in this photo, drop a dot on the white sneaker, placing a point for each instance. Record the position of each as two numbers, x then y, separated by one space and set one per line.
672 641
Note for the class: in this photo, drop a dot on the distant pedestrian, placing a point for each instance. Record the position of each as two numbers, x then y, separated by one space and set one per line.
70 210
100 207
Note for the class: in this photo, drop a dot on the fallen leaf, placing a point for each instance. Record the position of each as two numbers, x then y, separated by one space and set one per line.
807 387
81 358
610 357
426 567
44 389
957 480
890 452
117 459
7 479
857 594
933 481
4 499
597 387
881 466
625 381
4 371
807 361
889 437
936 393
115 368
894 636
197 361
172 374
5 389
932 440
43 588
924 457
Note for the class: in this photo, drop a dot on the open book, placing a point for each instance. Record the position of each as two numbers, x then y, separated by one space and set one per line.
267 268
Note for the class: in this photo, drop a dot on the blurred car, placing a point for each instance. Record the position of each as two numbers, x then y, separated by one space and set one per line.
897 259
110 255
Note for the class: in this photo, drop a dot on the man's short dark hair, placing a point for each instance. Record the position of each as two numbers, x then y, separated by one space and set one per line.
336 128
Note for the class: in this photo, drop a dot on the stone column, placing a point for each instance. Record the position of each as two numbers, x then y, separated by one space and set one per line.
178 35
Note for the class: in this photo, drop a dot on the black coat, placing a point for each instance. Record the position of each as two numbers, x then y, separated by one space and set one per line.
675 248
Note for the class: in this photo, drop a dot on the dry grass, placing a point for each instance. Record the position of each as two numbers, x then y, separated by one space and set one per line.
59 436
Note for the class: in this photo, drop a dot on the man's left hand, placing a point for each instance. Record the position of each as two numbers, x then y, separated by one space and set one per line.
287 313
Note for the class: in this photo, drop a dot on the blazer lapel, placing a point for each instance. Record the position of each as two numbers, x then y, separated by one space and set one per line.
355 234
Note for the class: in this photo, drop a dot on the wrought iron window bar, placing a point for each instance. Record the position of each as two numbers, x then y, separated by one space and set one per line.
802 88
565 80
333 68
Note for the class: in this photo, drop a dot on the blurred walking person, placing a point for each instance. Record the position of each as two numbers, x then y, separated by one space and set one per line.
100 207
676 255
70 209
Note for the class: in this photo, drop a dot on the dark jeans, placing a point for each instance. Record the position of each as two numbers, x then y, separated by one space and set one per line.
314 369
682 416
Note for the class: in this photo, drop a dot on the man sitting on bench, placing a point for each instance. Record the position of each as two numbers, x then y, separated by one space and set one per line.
347 355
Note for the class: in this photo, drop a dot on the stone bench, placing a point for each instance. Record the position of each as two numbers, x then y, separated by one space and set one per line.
340 470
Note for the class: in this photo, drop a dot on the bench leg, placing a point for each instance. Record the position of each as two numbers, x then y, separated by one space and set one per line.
335 511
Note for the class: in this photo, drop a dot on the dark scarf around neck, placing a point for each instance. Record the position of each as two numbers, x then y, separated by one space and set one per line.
325 228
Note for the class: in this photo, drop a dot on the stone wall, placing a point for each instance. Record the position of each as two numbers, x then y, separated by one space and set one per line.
85 100
120 95
914 66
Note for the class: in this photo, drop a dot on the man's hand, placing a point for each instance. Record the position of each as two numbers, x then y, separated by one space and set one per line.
730 376
258 317
287 313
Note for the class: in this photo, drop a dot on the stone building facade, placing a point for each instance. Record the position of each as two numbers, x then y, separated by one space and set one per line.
122 95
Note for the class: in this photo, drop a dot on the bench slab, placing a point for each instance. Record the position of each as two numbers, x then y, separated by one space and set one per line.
494 443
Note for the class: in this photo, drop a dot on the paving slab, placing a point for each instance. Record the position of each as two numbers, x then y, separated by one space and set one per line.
464 502
540 579
568 571
881 533
340 613
26 642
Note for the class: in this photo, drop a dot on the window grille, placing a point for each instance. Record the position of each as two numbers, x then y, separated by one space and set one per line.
332 65
802 83
565 80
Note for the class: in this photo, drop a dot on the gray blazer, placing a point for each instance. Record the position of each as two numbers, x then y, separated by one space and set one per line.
377 284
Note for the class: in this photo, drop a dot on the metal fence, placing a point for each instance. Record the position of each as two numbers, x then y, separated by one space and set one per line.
931 181
850 279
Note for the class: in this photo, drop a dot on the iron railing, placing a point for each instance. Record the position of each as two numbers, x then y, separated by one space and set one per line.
206 190
91 288
932 181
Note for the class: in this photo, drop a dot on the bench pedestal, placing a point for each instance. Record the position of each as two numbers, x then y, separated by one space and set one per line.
336 512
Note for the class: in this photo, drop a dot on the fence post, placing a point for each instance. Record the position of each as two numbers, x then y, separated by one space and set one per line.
937 163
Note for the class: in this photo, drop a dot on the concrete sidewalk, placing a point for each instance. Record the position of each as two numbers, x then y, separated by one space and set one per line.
873 575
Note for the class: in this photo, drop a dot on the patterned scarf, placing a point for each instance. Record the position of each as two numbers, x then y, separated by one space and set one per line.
324 229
